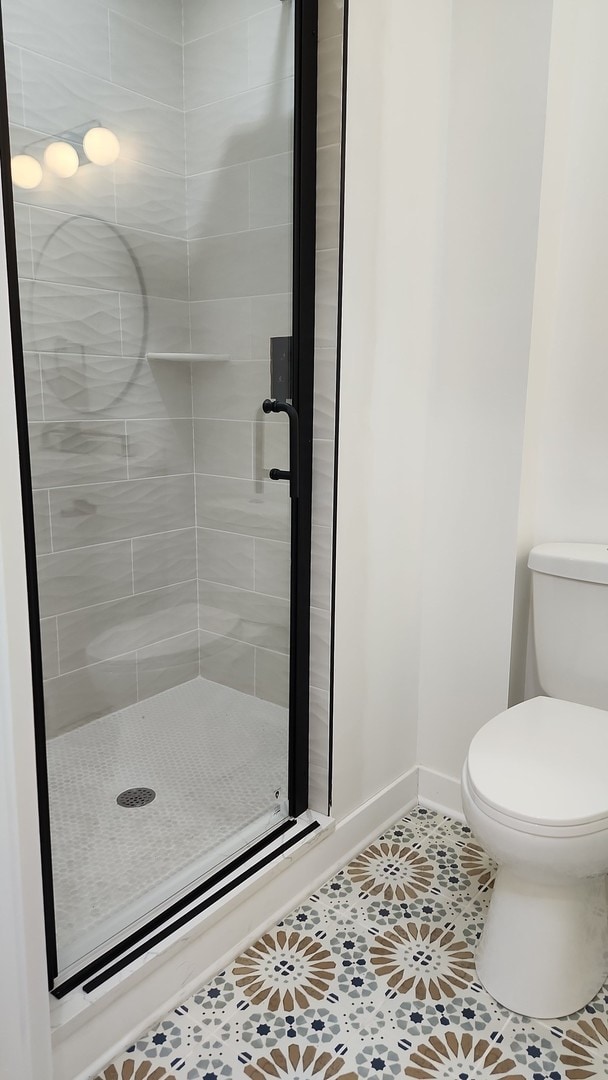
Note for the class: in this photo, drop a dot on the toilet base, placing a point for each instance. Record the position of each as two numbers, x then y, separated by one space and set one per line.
543 951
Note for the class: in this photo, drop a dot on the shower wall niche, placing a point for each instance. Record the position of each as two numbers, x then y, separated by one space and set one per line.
163 549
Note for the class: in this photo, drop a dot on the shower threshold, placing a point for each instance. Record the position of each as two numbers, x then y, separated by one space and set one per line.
115 865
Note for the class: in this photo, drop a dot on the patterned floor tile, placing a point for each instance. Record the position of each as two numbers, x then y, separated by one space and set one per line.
451 829
416 825
536 1051
373 976
462 1056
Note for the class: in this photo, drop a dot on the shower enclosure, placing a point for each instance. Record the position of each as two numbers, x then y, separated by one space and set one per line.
159 187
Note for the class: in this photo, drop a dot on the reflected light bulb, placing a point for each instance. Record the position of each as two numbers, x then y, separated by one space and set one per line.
61 159
101 146
26 171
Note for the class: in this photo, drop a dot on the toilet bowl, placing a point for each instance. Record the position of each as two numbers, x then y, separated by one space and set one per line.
535 794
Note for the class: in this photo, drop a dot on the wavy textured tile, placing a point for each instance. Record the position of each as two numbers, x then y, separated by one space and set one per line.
163 16
83 576
164 559
42 522
95 513
158 72
243 506
33 385
224 447
148 130
218 202
150 198
221 327
76 34
242 264
81 696
159 447
226 661
225 557
76 250
166 664
271 50
48 641
56 318
230 391
215 66
272 567
272 677
262 132
154 324
103 387
77 452
246 616
122 626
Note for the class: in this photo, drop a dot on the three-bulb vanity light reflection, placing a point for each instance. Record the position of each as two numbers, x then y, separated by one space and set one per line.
99 144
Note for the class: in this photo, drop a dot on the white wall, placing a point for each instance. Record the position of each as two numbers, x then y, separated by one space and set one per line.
566 463
497 96
396 114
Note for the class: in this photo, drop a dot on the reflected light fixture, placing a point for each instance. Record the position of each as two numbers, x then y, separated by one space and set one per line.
61 159
101 146
26 171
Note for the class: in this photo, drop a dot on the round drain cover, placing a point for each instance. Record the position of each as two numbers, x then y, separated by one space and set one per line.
136 796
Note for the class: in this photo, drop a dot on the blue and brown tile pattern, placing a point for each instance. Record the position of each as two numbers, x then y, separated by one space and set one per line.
374 977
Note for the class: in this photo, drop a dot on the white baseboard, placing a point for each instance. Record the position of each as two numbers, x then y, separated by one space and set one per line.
88 1033
439 792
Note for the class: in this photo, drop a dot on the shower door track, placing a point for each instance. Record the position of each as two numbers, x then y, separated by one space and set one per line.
179 914
303 323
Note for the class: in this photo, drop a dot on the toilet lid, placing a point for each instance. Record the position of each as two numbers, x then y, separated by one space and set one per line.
544 761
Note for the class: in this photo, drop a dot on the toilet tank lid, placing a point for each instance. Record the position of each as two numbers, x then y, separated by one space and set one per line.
581 562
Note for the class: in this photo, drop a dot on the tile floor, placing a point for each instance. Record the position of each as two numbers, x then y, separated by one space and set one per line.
373 976
211 753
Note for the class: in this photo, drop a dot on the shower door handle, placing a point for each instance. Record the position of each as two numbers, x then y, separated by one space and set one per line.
294 446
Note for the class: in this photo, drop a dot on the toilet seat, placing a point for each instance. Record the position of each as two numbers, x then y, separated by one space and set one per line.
542 767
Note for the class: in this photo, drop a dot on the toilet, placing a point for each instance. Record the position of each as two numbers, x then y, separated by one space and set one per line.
535 794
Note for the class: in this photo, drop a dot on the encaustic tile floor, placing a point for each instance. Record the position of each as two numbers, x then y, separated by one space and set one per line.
373 976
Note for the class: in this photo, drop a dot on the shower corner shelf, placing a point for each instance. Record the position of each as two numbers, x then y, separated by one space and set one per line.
185 358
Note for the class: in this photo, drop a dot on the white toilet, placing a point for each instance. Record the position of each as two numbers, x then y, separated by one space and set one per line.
535 793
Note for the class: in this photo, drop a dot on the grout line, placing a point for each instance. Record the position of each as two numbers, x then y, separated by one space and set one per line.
122 540
241 93
160 641
129 652
249 592
134 480
102 79
125 596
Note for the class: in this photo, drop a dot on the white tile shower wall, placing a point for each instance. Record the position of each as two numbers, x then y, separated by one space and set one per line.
104 279
238 165
112 440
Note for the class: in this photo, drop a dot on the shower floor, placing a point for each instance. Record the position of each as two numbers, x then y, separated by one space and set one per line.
215 758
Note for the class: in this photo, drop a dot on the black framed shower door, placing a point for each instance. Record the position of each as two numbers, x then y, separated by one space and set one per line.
49 224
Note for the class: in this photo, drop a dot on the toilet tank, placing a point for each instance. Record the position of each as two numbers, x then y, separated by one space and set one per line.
570 620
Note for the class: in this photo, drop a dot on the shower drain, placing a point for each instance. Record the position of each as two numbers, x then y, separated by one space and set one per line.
136 796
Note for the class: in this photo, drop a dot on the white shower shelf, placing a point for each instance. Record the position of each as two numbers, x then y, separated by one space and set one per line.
184 357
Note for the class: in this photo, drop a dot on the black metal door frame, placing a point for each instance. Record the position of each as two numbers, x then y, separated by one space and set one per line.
304 251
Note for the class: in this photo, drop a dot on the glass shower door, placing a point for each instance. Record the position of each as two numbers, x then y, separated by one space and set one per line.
152 168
